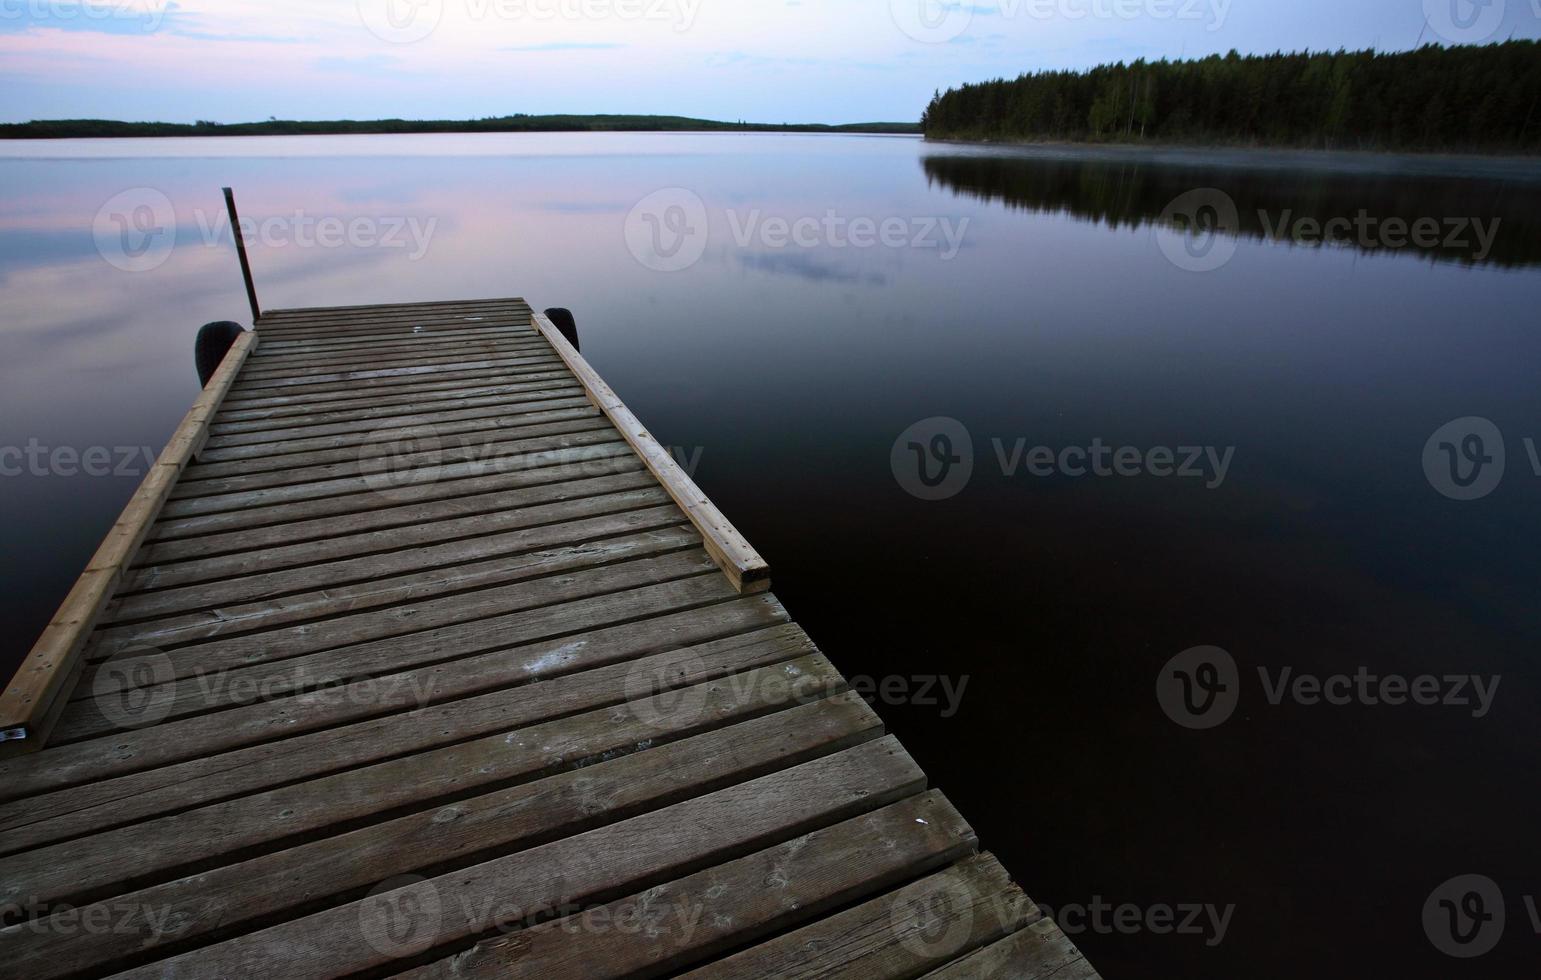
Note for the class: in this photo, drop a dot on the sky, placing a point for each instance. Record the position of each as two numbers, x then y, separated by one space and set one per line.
760 60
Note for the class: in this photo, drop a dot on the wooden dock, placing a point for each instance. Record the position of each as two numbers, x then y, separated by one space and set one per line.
416 654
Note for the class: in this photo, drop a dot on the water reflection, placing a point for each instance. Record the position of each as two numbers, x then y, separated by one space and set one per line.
789 371
808 267
1470 220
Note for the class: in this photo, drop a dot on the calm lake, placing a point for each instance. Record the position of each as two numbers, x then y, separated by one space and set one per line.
1011 443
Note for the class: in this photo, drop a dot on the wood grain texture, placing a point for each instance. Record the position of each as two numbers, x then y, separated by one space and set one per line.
289 657
211 582
453 493
255 445
599 865
426 478
82 789
390 464
351 393
323 673
387 354
176 541
1038 951
923 925
684 921
601 789
527 388
178 844
359 448
455 565
89 718
424 335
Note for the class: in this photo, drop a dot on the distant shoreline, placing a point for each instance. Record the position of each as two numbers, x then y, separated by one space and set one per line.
1249 154
115 129
1236 146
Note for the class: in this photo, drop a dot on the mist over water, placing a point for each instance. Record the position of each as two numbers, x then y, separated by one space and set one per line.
826 299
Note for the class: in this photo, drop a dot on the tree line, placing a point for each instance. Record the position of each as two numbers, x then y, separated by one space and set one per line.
78 128
1433 98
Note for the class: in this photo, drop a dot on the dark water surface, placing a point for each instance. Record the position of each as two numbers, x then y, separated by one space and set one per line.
797 375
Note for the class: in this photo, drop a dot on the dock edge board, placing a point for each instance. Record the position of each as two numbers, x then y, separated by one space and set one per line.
746 570
35 697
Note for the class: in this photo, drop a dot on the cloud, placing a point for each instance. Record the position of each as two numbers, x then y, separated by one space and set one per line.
801 265
368 64
724 59
125 17
582 207
253 38
563 46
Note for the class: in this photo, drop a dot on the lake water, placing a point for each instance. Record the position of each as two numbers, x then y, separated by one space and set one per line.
950 392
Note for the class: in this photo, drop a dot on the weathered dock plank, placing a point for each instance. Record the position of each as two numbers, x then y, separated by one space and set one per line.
413 593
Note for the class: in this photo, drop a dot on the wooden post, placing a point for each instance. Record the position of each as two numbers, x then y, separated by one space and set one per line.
240 250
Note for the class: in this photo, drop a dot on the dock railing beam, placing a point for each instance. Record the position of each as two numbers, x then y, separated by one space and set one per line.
745 569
